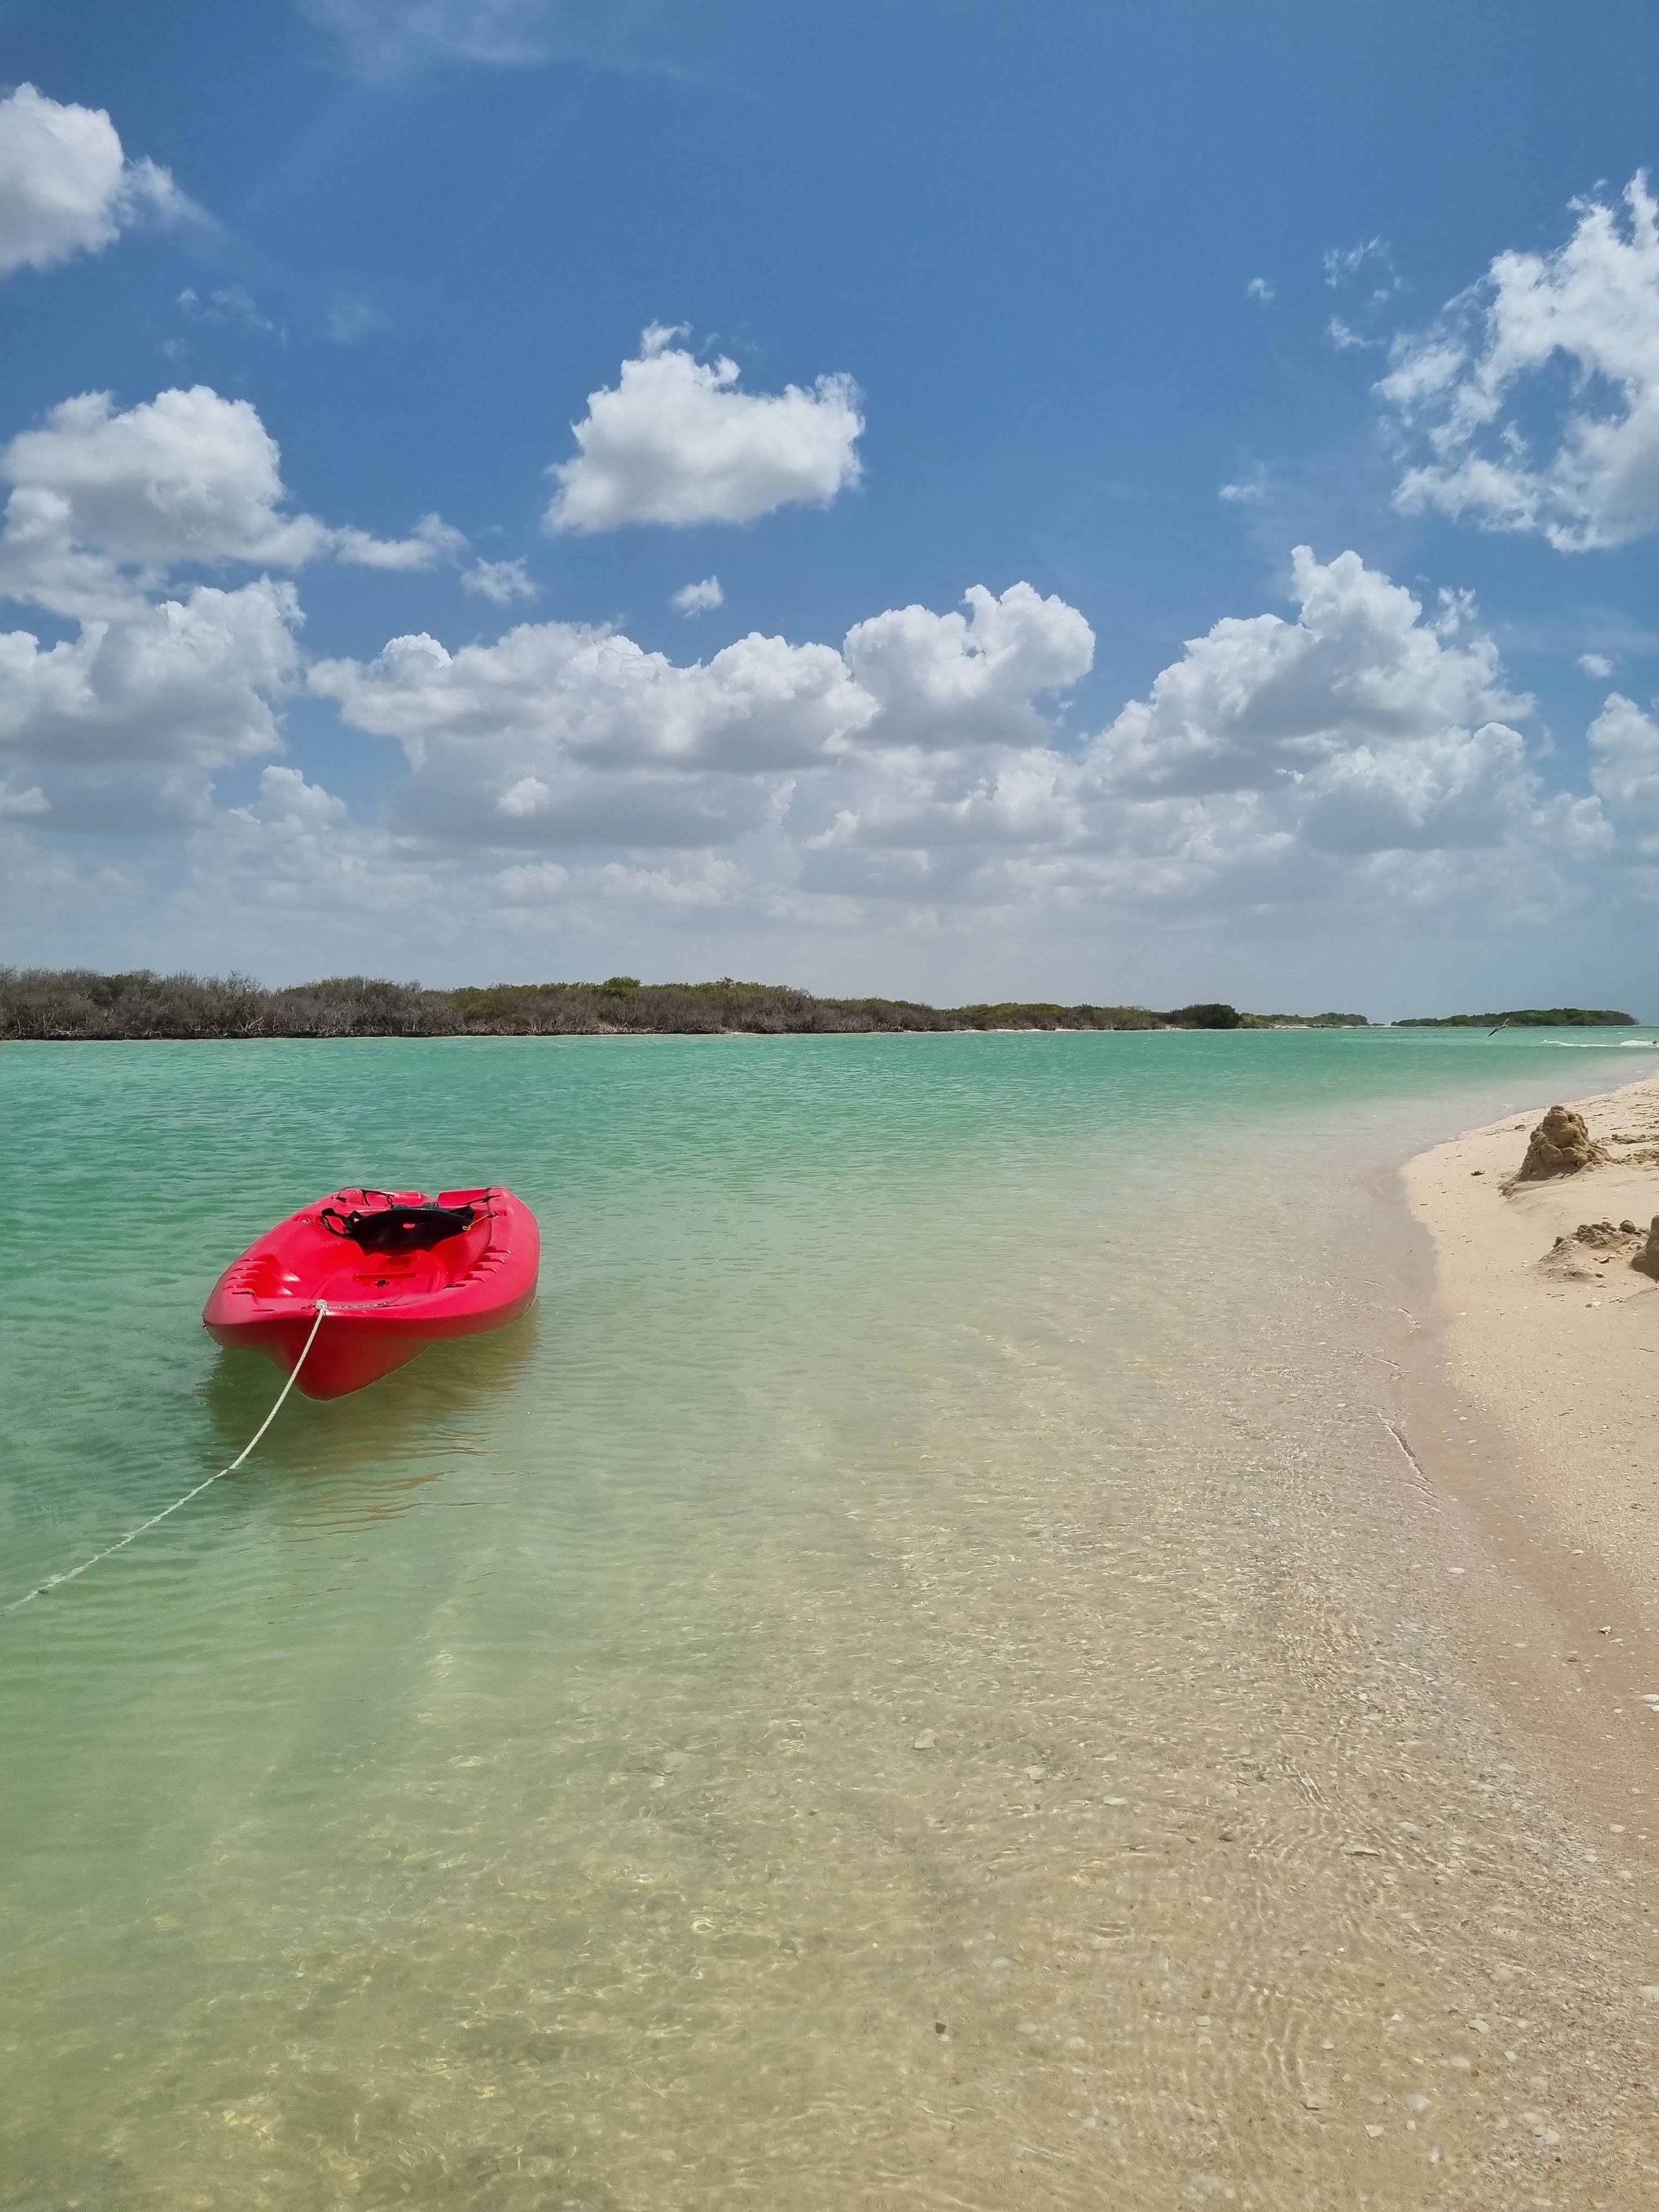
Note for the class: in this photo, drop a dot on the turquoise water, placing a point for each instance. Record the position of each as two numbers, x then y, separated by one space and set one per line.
648 1758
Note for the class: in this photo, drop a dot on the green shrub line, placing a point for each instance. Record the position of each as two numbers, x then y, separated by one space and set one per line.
64 1004
1526 1018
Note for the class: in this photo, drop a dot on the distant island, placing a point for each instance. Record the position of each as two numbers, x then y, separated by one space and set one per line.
1526 1018
51 1003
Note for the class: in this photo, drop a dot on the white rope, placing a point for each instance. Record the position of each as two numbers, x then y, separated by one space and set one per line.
53 1580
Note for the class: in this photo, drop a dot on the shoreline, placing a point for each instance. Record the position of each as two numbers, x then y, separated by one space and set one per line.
1525 1398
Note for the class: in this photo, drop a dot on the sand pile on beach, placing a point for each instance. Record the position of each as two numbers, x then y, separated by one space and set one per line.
1560 1145
1596 1244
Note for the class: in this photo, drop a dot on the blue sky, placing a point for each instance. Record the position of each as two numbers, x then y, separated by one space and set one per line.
1099 313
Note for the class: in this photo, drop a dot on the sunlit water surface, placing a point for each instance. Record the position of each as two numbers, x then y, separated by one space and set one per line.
914 1677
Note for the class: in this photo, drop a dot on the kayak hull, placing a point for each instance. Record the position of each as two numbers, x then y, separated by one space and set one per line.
383 1307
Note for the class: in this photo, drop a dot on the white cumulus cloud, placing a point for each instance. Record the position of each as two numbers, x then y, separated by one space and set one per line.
947 680
675 441
559 731
1359 745
1625 767
699 598
503 581
104 504
1358 761
65 185
187 679
559 737
293 859
1260 700
1472 387
432 540
123 725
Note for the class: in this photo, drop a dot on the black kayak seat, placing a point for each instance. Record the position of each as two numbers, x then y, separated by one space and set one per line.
399 1228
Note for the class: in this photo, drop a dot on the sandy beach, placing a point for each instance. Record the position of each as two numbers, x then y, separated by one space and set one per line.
1528 1402
1558 1342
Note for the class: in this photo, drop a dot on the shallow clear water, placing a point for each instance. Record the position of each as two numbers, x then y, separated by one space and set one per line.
905 1679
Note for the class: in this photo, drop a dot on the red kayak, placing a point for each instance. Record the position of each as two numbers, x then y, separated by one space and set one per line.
396 1270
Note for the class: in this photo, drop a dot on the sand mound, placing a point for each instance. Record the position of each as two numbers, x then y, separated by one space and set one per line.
1595 1246
1561 1144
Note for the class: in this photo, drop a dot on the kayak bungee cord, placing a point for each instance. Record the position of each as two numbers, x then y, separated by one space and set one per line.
52 1582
